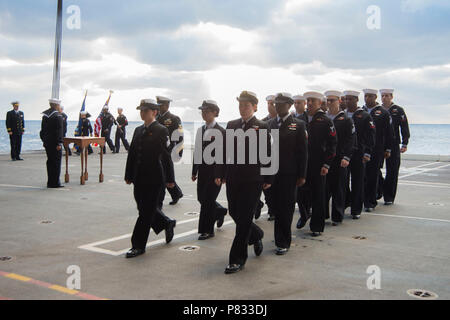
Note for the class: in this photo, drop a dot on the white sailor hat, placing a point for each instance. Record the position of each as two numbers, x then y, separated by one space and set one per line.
351 93
313 94
162 99
386 91
370 91
148 104
119 108
284 97
333 93
299 97
83 113
270 98
105 108
54 101
15 102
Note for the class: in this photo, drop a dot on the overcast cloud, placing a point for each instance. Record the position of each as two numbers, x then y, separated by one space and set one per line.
192 50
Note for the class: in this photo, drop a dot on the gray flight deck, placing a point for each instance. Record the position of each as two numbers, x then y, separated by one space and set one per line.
409 242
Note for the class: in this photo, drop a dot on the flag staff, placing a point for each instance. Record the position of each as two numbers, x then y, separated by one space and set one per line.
57 63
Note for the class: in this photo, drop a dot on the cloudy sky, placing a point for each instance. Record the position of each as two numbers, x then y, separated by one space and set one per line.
192 50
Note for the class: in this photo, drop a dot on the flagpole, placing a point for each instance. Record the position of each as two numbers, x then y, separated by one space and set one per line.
57 63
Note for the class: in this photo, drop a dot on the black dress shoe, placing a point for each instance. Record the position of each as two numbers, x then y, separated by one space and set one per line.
316 234
175 201
388 203
281 251
55 187
19 159
222 214
356 216
336 223
258 248
205 236
169 231
132 253
233 268
301 223
369 209
258 209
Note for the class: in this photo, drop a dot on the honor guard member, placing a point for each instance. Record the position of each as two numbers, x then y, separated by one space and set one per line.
244 181
15 125
400 128
52 135
204 173
86 129
64 116
108 121
303 200
293 155
382 150
365 137
172 123
267 193
321 152
150 169
121 133
337 175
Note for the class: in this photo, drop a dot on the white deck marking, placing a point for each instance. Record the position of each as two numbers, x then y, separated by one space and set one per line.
423 171
93 246
29 187
406 217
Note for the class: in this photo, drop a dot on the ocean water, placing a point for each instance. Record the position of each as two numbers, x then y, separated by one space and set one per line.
428 139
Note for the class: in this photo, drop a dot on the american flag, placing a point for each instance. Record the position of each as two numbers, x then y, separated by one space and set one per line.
98 121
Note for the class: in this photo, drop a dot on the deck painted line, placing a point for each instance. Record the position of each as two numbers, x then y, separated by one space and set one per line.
92 246
31 187
423 185
427 182
405 217
50 286
5 299
423 171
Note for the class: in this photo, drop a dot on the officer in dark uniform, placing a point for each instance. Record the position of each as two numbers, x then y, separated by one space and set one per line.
244 180
337 176
107 122
303 200
365 137
267 193
149 167
207 190
121 132
293 160
15 125
64 116
321 152
52 135
400 127
383 147
172 123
